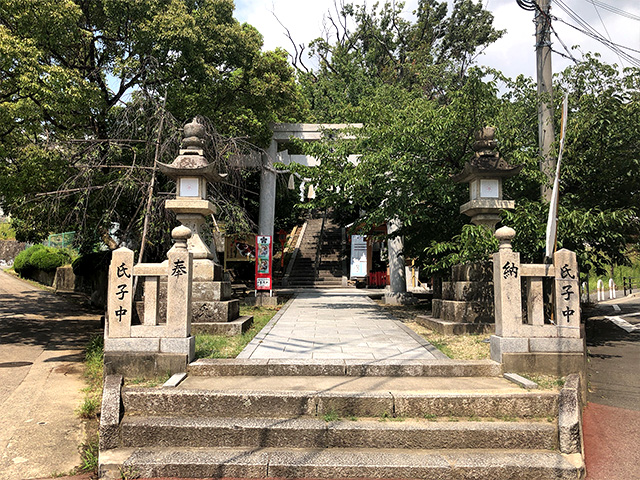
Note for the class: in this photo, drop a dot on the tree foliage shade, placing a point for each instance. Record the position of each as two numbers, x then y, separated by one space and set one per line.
81 104
418 132
429 56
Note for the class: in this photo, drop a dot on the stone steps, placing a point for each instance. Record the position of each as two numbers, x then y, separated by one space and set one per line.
337 419
313 432
230 367
340 463
329 274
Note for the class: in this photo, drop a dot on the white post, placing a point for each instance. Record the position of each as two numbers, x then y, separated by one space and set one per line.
600 288
612 289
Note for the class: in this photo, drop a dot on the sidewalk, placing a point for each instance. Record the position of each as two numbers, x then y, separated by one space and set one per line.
337 324
42 338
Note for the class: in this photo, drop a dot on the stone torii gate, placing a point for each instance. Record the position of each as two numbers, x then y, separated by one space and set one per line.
309 132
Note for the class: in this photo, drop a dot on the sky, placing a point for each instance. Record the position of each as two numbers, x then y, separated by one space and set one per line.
513 54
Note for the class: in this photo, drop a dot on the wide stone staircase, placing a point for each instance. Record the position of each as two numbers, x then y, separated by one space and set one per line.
319 260
431 419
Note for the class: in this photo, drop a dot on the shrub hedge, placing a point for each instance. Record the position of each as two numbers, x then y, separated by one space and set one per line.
39 257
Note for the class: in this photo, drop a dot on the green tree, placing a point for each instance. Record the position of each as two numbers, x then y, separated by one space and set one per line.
429 56
81 103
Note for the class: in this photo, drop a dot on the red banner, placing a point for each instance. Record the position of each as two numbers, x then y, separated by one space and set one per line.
263 262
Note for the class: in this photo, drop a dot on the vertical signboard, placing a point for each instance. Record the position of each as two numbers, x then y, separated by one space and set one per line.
358 256
263 262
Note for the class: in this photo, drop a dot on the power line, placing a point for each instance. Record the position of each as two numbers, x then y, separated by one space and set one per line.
568 54
616 10
529 5
585 28
595 7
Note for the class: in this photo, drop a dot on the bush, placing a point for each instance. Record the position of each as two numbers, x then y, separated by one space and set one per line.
22 263
50 258
39 257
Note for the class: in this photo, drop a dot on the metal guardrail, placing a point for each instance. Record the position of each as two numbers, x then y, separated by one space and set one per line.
629 283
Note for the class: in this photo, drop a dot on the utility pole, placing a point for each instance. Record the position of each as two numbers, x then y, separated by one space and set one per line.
545 96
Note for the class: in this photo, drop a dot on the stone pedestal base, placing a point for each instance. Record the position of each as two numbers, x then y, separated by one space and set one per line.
147 357
261 301
455 328
466 300
399 298
215 311
234 327
549 356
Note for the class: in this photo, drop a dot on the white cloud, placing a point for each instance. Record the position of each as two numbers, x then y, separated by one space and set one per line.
513 54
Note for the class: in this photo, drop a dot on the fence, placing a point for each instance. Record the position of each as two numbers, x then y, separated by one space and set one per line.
544 337
60 240
629 283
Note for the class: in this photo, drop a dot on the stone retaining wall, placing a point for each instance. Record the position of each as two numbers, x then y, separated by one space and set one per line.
9 250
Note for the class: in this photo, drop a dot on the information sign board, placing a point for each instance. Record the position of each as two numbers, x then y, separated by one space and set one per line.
263 262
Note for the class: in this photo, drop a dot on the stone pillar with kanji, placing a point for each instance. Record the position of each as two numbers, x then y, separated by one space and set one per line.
532 343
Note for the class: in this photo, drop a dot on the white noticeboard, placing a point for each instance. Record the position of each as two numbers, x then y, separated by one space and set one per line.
358 256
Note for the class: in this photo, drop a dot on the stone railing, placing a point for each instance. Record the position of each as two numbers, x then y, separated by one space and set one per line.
152 347
526 342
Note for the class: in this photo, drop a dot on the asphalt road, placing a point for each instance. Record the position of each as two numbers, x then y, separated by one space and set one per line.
42 338
612 417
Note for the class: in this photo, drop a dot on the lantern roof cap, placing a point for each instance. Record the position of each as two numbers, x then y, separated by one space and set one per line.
486 162
191 161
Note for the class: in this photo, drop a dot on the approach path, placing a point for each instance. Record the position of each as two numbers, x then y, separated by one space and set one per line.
42 338
337 324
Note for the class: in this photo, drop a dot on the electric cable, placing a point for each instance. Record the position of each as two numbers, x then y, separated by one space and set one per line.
529 5
585 28
568 54
612 9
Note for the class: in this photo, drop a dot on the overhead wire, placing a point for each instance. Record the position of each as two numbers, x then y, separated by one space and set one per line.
595 7
612 9
585 28
566 49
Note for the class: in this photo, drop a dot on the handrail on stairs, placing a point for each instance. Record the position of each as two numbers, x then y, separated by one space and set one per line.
316 265
292 259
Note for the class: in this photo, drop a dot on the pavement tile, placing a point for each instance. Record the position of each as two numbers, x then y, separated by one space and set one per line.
337 324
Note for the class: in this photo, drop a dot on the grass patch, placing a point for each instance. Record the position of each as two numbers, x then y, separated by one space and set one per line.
460 347
619 271
93 362
546 382
331 416
220 346
89 455
149 382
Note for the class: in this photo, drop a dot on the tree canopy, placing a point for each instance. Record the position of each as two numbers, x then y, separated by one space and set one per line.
420 108
81 101
93 92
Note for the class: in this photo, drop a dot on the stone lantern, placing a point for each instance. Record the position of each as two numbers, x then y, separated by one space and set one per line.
484 174
191 171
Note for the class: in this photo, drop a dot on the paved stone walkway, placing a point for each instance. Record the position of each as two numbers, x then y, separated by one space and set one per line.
337 324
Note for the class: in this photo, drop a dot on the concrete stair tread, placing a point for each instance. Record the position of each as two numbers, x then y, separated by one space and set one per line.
291 396
342 463
359 423
313 432
349 367
362 385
